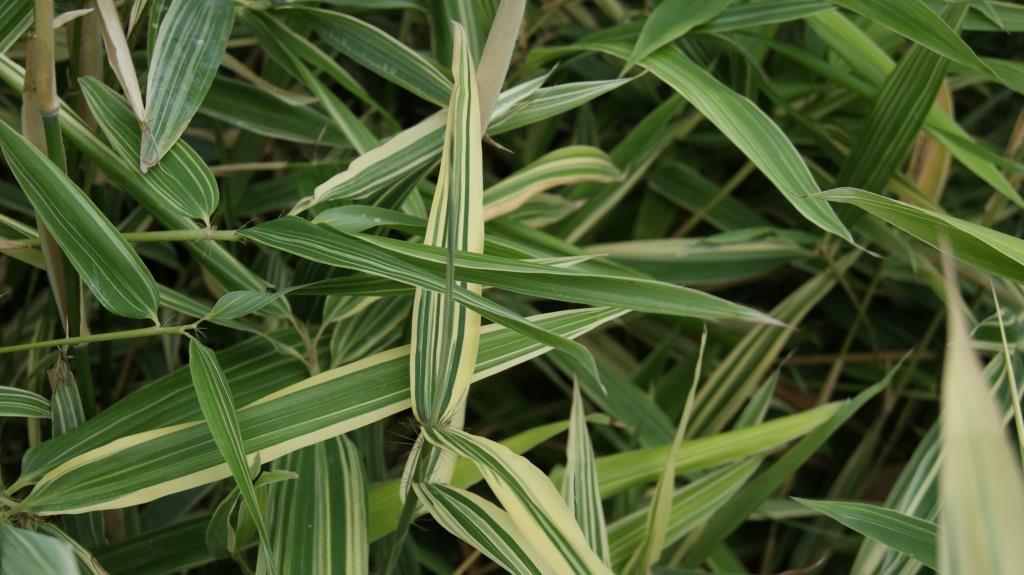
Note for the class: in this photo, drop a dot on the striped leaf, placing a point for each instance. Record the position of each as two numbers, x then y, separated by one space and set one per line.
906 98
319 519
312 242
188 51
247 107
549 281
981 490
736 377
29 552
562 167
970 243
647 553
445 334
107 264
181 179
905 533
122 465
529 498
120 58
751 130
691 505
381 53
415 150
671 20
735 511
481 524
213 257
579 484
222 423
913 19
15 19
15 402
497 54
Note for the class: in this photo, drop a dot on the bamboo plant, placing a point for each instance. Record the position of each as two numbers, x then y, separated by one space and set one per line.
538 287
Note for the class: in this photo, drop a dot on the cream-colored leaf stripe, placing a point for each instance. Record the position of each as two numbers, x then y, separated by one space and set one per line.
529 498
579 485
126 471
481 524
569 165
445 334
218 409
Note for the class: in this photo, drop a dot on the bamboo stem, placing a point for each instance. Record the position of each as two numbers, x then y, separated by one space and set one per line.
98 337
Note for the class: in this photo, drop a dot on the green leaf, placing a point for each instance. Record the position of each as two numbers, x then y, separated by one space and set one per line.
28 552
309 241
568 165
732 514
222 420
15 402
981 490
481 524
181 179
319 520
532 502
691 505
445 335
914 20
905 533
970 243
188 51
115 459
579 485
107 264
381 53
670 21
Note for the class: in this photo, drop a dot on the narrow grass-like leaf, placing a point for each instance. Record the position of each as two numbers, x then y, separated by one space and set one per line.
107 264
733 513
908 534
319 520
647 553
671 20
913 19
497 54
445 335
569 165
323 246
906 98
86 471
691 505
970 243
16 402
222 421
15 19
482 525
120 57
236 304
735 378
29 552
381 53
188 51
588 288
579 485
213 257
981 489
530 499
182 178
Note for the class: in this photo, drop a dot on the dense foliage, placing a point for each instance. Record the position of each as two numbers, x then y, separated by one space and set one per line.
463 286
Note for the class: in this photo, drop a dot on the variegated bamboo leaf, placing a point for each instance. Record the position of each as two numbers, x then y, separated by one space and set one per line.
532 502
181 178
106 263
482 525
579 485
188 51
